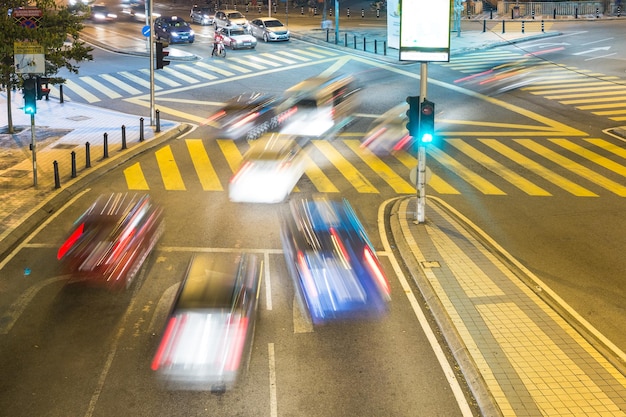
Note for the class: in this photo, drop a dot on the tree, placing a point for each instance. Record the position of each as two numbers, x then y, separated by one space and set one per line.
57 25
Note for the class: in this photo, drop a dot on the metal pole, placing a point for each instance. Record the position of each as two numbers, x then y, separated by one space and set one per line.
421 153
33 146
151 37
336 20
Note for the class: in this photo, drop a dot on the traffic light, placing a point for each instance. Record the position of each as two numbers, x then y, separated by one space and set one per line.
160 55
42 88
413 115
30 95
427 122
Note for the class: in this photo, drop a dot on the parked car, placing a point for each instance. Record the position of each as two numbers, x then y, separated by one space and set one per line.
237 38
173 29
208 336
270 170
230 18
246 116
110 241
333 264
202 15
269 29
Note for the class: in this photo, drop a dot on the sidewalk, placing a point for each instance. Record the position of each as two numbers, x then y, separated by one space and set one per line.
520 357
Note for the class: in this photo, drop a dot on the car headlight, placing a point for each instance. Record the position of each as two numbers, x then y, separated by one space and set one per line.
174 34
191 33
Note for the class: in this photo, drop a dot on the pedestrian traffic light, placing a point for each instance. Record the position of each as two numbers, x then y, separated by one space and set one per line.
413 115
160 55
30 95
427 122
42 88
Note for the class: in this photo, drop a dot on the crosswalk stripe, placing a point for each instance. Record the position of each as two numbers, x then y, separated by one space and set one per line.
177 73
248 63
549 88
562 93
346 169
81 92
591 96
257 58
206 173
468 175
100 87
135 180
318 178
586 99
237 68
138 80
383 170
567 185
607 146
603 106
231 153
323 52
591 156
294 56
309 53
436 182
158 77
512 177
574 167
195 71
172 180
215 69
277 58
124 86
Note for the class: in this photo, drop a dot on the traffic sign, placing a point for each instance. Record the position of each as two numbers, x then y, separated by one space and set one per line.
145 31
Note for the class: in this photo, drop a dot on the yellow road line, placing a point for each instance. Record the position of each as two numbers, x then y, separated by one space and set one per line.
172 180
135 180
206 173
591 156
608 146
231 153
318 178
436 183
346 169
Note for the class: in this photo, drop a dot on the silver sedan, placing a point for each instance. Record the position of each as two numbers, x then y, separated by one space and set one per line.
269 29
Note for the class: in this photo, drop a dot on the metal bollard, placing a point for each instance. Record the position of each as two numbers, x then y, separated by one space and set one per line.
490 13
354 41
385 48
542 26
315 11
362 13
364 49
554 13
619 11
274 8
330 12
302 11
141 129
345 40
484 26
87 156
123 137
375 46
61 93
106 146
327 34
377 13
522 26
348 12
533 13
503 26
576 13
597 12
158 120
73 156
57 180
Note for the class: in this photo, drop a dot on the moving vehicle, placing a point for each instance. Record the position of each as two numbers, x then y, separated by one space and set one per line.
202 15
269 171
388 133
320 106
246 116
230 18
269 29
237 38
173 29
110 241
332 261
99 13
208 337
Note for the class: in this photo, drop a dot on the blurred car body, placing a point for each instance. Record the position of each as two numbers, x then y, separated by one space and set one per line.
320 106
269 29
388 133
238 38
173 29
137 11
246 116
110 241
230 18
209 333
270 169
99 13
203 15
333 263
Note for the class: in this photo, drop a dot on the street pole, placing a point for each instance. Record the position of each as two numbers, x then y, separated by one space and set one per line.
151 37
33 147
421 153
336 21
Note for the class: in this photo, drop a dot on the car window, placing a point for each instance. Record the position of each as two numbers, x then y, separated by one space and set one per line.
235 15
237 32
273 23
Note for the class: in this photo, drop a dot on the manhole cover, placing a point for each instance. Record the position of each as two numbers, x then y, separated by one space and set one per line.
78 118
65 146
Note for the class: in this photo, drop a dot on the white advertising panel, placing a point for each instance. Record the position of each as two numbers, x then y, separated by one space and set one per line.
425 30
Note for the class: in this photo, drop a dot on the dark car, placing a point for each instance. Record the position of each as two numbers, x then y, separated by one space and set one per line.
203 15
173 29
111 240
246 116
208 336
332 261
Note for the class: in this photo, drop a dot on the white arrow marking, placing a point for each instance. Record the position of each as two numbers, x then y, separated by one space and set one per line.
592 50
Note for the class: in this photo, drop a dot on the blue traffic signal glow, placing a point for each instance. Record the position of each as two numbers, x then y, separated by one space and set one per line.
30 95
427 122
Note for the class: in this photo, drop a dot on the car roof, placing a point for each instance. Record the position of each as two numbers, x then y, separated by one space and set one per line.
271 147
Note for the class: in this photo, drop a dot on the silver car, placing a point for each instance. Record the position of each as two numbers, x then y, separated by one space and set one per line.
269 29
201 15
230 18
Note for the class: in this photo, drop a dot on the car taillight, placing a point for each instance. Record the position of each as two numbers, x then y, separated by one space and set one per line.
246 119
287 114
402 142
339 244
306 274
66 246
372 262
373 137
122 244
240 328
215 117
156 362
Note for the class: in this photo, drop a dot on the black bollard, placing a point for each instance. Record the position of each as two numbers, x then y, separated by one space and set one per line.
158 120
375 46
87 156
484 26
123 137
364 48
327 34
554 13
362 13
522 26
348 13
491 14
345 40
73 155
141 129
106 146
354 41
61 93
542 26
377 13
57 180
503 26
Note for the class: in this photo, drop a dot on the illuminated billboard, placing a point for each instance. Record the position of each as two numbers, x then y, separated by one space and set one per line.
425 30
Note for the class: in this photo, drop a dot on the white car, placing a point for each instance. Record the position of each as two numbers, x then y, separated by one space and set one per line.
388 133
269 29
229 18
269 171
238 38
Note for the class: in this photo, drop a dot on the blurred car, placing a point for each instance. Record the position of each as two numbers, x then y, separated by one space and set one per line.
270 169
269 29
388 133
246 116
237 38
202 15
101 14
332 261
208 337
173 29
229 18
111 240
136 11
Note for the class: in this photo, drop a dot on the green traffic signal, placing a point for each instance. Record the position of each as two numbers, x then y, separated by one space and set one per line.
30 95
427 122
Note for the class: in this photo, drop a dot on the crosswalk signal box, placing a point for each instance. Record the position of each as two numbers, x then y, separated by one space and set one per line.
30 95
161 54
427 122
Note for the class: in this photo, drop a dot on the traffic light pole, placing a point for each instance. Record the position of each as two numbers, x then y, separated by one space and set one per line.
33 143
421 154
152 100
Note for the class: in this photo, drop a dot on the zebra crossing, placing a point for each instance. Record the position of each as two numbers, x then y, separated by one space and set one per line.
585 90
534 167
123 84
